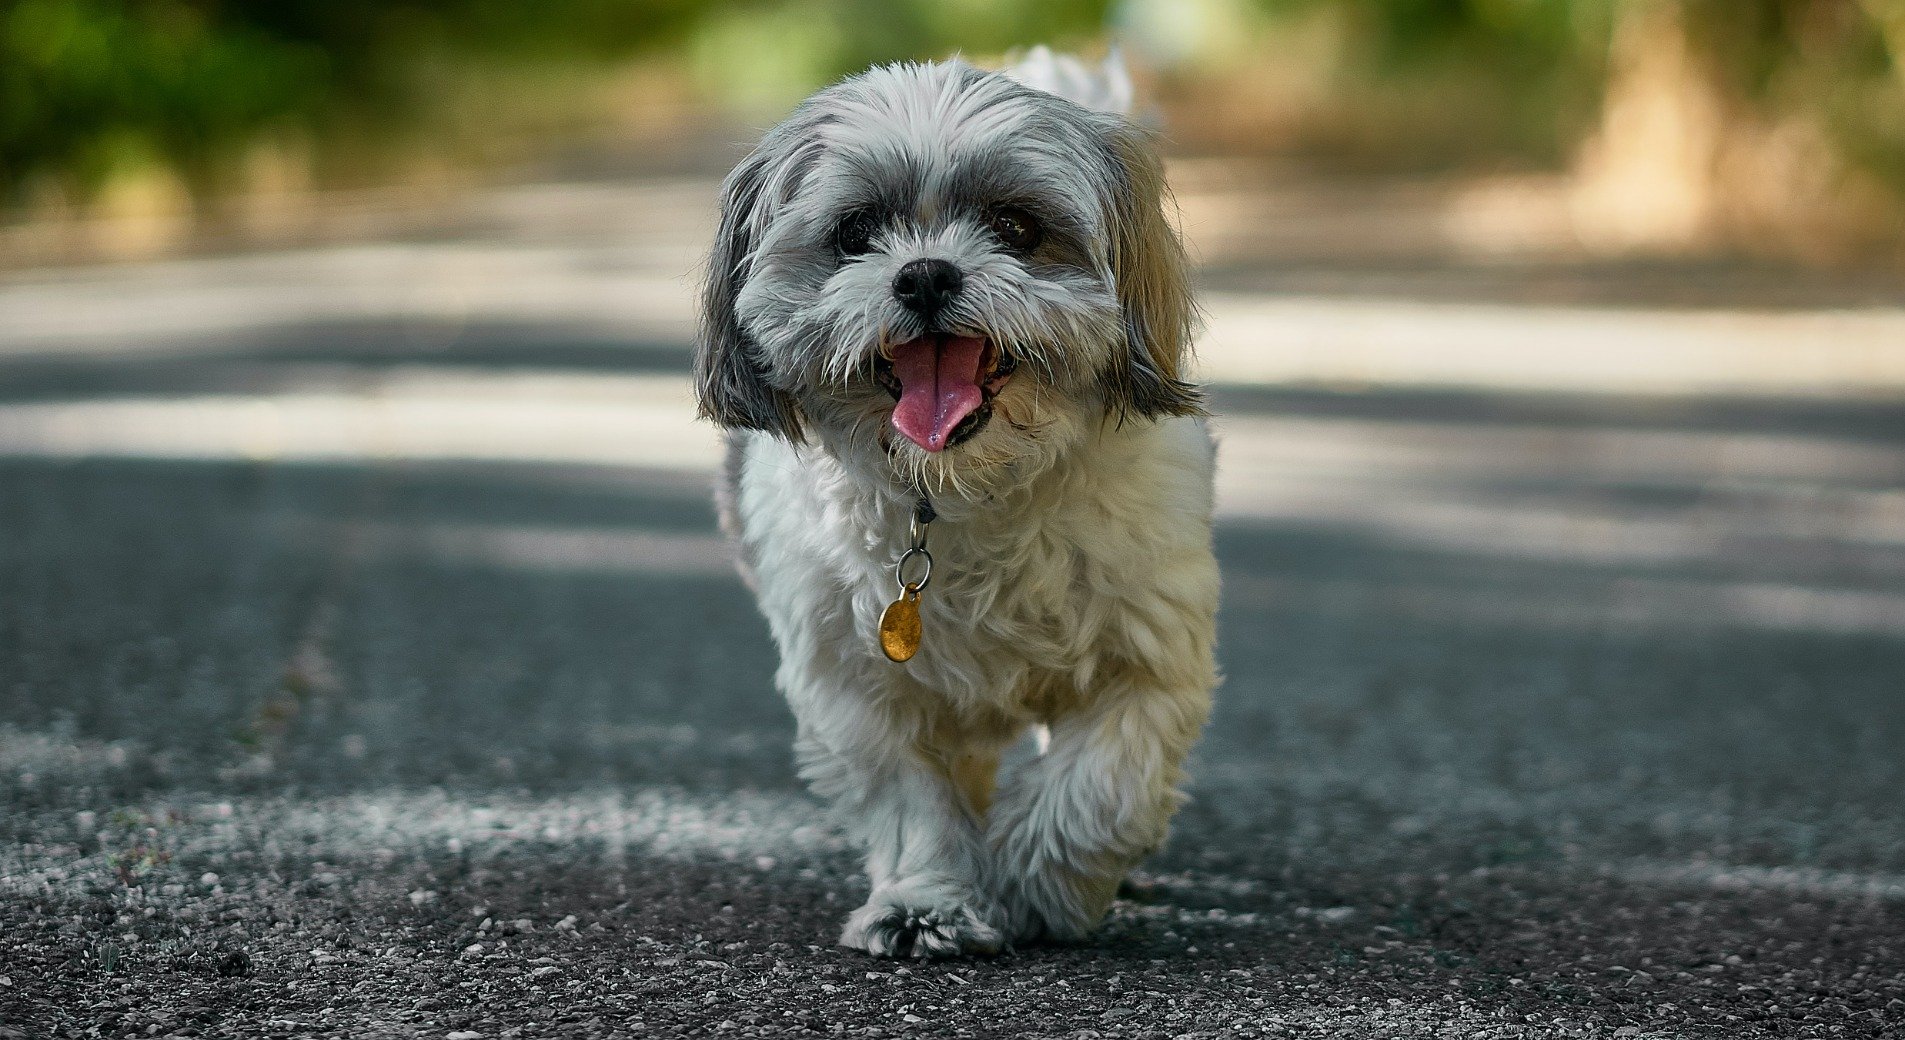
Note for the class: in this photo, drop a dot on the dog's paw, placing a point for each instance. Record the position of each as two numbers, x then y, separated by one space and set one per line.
898 922
1054 906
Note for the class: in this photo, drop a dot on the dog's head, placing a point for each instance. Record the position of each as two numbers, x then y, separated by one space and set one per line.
947 270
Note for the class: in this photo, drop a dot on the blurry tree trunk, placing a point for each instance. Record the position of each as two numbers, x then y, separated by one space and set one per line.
1647 178
1688 156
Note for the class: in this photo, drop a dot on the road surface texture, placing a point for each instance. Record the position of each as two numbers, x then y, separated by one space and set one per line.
370 665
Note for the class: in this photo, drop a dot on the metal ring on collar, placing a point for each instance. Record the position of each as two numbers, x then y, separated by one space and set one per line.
899 569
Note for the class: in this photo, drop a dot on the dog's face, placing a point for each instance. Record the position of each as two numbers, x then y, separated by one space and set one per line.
943 269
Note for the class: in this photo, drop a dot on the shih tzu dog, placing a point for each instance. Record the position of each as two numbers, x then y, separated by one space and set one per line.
944 300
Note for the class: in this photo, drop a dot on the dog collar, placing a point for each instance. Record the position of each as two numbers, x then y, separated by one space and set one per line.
899 622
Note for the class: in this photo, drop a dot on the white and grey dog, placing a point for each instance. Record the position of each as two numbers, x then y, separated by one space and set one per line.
935 283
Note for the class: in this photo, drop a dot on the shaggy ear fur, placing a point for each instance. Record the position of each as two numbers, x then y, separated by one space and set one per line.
1153 280
730 379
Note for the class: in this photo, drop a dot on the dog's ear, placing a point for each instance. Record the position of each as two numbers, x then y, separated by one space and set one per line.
730 379
1153 283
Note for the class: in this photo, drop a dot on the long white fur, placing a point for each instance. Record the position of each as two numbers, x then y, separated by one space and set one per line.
1074 584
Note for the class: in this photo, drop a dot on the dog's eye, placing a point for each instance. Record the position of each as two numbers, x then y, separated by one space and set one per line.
853 236
1018 230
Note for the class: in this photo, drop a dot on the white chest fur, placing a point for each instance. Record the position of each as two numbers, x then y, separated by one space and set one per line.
1101 565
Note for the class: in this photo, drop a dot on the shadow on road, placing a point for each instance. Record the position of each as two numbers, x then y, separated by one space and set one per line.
1519 719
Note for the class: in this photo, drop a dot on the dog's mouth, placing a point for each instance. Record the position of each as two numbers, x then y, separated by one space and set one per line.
943 386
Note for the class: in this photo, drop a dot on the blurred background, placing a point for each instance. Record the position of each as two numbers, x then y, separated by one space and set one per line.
360 590
1770 128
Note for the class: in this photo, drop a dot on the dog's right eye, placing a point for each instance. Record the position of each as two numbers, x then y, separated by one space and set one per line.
853 236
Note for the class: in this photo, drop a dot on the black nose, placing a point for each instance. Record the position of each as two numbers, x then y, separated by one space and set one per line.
926 286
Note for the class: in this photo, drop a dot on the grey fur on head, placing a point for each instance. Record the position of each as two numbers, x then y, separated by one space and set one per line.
916 162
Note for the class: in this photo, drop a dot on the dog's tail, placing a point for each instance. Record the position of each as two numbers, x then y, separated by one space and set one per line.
1106 88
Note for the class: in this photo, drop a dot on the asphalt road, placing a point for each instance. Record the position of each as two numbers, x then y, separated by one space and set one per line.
370 667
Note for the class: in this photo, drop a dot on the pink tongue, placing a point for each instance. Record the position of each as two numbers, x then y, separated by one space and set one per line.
939 386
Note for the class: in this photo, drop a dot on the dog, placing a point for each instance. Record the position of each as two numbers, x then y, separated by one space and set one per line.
945 327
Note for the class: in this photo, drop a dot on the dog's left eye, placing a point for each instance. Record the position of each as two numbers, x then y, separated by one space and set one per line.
1018 230
853 236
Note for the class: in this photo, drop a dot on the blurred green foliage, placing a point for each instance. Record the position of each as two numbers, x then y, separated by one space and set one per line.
1471 77
760 56
1529 76
89 88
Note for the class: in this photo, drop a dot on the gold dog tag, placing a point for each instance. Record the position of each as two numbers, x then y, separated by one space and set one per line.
899 626
899 622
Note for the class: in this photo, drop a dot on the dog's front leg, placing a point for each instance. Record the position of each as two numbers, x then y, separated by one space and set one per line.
925 851
1072 821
